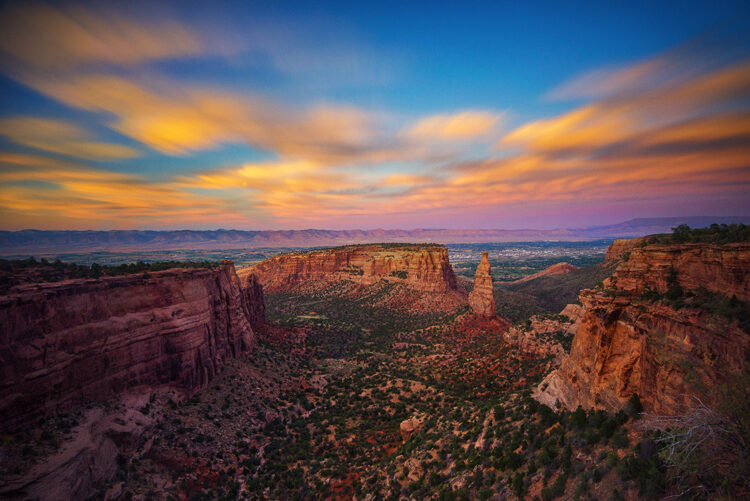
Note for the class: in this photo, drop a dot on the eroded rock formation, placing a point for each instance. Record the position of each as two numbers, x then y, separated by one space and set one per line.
409 427
423 268
543 335
89 340
627 344
481 298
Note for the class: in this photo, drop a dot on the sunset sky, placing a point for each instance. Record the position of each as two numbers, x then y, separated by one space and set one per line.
285 115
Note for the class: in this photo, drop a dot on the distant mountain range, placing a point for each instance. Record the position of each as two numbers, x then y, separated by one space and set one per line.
41 241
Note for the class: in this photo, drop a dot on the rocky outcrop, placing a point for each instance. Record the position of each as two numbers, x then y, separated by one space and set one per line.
481 298
555 269
423 268
88 340
544 335
626 345
410 426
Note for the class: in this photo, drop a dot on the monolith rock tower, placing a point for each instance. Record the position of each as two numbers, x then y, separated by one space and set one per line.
481 299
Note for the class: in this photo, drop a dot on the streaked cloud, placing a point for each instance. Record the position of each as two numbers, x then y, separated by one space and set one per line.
59 136
661 129
40 36
463 125
51 191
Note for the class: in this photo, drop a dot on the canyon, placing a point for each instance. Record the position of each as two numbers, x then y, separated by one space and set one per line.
210 381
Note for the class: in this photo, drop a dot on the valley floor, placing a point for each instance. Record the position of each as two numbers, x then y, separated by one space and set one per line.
316 412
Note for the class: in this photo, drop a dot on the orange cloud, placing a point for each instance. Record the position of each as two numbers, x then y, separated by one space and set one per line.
176 119
463 125
58 136
47 190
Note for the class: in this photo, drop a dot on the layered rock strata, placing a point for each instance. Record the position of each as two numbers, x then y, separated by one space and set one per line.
89 340
628 345
723 269
481 298
423 268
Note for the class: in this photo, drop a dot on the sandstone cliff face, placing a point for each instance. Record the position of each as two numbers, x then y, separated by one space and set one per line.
481 298
622 246
423 268
718 268
87 340
626 345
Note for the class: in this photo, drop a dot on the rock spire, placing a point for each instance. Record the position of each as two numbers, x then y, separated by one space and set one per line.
481 299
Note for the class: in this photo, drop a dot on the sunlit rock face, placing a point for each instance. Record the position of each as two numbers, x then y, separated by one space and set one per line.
424 267
626 344
481 298
90 340
719 268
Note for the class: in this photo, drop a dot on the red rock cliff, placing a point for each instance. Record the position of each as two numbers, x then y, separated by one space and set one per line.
627 345
481 298
420 267
87 340
719 268
622 246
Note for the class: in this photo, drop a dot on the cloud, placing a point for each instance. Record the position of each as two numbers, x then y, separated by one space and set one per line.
619 117
43 37
656 131
463 125
177 119
59 136
686 136
50 191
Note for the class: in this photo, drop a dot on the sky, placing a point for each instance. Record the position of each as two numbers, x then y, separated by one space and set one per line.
342 115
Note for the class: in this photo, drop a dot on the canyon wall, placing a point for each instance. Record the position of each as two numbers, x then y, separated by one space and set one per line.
89 340
665 353
424 268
